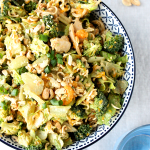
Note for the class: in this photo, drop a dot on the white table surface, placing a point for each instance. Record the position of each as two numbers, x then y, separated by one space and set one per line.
136 20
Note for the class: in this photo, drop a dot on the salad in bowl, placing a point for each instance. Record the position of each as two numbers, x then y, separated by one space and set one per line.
61 72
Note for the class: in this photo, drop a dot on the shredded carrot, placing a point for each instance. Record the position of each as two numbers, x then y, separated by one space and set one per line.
74 84
82 34
100 75
114 74
70 94
94 67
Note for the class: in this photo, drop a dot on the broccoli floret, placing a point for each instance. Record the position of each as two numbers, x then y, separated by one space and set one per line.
97 73
113 43
6 4
115 100
83 131
51 26
100 104
110 83
13 7
30 6
16 77
92 47
5 111
30 141
10 128
79 111
24 138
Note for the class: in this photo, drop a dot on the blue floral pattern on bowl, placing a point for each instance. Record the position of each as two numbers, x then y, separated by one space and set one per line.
114 25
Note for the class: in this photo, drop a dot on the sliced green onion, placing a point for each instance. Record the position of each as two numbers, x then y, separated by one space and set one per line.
1 55
14 92
47 70
56 102
54 62
44 106
22 70
60 61
43 37
3 90
59 56
4 105
48 55
51 55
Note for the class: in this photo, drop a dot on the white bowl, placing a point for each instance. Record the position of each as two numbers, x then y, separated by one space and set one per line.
114 25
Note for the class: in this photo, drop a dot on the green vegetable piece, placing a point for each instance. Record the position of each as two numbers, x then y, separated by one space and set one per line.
56 102
50 25
53 62
79 111
60 61
44 106
30 141
39 47
123 59
100 104
83 2
48 55
79 101
108 56
105 118
115 100
90 4
30 6
43 37
47 70
14 92
4 105
121 86
83 131
92 47
22 70
2 53
10 128
67 30
67 142
52 55
59 56
113 43
3 90
56 140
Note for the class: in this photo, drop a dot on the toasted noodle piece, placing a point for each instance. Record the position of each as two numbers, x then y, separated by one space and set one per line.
53 10
78 12
60 92
100 24
136 2
127 2
92 120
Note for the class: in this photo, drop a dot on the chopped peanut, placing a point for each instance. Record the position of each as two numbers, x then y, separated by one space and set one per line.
45 94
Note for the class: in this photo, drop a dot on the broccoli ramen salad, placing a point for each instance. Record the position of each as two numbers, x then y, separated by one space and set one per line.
60 72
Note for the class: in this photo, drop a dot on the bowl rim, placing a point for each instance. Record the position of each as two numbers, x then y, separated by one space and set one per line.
132 87
128 100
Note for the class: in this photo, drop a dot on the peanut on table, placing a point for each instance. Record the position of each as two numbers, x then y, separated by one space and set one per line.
130 2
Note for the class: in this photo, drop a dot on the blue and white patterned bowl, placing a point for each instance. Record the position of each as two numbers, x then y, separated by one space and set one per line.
113 24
